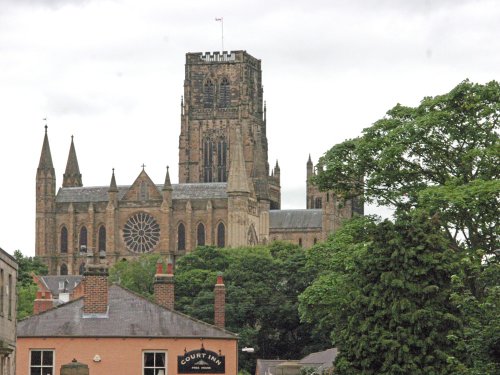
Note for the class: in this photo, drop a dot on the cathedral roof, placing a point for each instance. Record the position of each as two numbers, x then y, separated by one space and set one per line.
213 190
130 315
295 219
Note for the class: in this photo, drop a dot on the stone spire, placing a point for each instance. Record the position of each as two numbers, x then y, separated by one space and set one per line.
238 179
309 167
45 157
112 186
167 185
72 176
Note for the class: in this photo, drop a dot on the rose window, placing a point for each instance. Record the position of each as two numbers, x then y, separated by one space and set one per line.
141 233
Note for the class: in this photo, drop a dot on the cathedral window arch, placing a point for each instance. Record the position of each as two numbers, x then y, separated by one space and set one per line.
102 238
200 235
208 94
63 270
63 242
318 202
208 159
222 160
224 93
81 269
221 235
181 237
82 242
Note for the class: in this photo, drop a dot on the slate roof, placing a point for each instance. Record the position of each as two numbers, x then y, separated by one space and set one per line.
211 190
295 219
52 283
130 315
324 358
267 366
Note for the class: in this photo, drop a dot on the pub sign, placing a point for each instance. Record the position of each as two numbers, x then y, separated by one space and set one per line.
201 361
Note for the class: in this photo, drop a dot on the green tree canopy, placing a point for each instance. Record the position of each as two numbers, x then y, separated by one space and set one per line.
26 287
387 300
442 155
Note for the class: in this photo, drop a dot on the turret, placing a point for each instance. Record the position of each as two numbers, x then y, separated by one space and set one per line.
277 172
111 213
309 168
167 188
238 192
72 176
45 202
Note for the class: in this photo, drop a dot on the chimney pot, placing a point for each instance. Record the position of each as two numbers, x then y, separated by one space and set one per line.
159 267
170 269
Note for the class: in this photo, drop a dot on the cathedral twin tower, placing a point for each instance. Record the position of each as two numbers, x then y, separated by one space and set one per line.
226 195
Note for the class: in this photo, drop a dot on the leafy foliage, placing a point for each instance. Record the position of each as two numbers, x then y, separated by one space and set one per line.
442 155
137 275
26 287
390 299
441 159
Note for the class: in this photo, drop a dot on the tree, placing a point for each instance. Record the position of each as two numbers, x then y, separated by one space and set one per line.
392 312
442 155
136 275
26 287
440 158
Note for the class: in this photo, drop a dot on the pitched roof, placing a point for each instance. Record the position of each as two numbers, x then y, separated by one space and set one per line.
295 219
325 357
52 283
180 191
130 315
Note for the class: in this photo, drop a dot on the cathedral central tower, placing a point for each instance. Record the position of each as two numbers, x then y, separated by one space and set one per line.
222 92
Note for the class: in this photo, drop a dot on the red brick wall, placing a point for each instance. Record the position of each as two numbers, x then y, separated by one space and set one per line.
96 294
164 291
220 303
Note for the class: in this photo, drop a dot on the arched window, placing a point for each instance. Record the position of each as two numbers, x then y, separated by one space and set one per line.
81 269
102 238
200 235
208 157
300 242
64 240
224 93
83 239
222 160
208 94
63 270
181 237
221 235
315 240
318 203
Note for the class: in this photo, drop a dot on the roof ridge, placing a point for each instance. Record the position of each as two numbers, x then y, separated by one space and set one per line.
173 311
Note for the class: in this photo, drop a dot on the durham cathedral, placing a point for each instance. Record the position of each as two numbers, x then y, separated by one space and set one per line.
227 195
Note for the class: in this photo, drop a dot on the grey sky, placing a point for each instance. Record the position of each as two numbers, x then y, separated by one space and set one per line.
110 72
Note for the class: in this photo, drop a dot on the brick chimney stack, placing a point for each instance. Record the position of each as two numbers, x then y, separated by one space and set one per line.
95 300
164 286
220 302
43 302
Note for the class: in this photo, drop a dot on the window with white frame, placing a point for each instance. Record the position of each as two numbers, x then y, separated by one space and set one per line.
41 362
155 363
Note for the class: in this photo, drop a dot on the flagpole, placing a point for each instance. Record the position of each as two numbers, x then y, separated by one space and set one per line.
221 20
